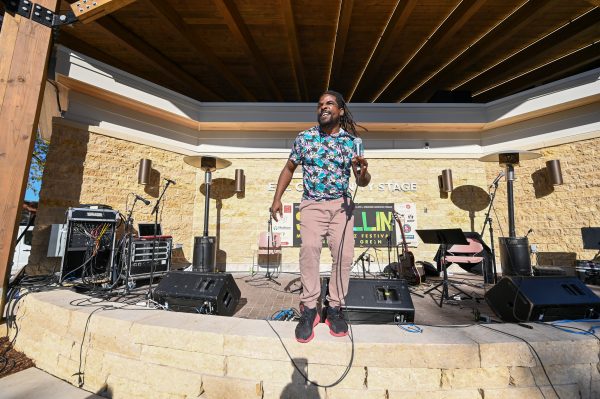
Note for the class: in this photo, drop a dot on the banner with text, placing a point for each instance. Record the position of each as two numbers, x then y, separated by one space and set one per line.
374 224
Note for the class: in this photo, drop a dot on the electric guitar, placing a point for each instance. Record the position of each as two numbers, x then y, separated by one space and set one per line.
406 261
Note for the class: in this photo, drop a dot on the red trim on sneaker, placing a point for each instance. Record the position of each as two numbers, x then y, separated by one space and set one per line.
317 321
343 334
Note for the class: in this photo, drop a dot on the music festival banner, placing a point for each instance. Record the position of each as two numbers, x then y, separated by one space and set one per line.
374 224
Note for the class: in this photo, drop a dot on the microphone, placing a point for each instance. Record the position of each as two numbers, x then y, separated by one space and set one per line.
529 232
497 179
359 150
144 200
169 181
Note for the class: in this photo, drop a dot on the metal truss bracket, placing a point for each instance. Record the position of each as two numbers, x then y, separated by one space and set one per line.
38 13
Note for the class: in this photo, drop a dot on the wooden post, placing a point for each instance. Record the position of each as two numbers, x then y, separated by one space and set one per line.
24 51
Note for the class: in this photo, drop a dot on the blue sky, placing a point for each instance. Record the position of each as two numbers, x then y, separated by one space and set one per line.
30 195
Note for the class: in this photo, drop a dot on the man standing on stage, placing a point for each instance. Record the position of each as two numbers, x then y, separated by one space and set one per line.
327 153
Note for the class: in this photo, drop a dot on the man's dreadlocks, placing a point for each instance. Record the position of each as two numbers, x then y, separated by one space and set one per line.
346 121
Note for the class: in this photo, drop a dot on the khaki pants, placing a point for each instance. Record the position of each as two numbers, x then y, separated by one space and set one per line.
334 220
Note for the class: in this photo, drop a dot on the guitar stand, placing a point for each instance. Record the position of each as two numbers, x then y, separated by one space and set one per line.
444 237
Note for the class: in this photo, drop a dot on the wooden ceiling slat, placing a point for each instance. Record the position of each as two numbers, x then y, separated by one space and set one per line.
445 32
389 38
241 32
340 42
113 28
505 31
511 65
298 68
557 69
175 20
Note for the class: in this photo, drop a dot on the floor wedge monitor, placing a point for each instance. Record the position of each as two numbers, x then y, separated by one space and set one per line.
375 301
517 299
197 292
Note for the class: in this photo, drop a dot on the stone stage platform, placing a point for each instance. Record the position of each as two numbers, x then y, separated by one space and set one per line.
123 350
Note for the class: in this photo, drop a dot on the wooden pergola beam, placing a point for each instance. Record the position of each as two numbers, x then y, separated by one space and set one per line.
507 30
340 42
292 36
548 72
87 11
174 19
242 34
538 52
24 52
389 38
113 28
445 32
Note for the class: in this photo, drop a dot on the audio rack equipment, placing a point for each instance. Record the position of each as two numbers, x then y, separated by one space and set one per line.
142 254
90 243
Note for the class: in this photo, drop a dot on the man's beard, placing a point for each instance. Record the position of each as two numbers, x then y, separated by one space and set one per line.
331 123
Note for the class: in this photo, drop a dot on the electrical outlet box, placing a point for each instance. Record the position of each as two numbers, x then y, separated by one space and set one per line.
533 248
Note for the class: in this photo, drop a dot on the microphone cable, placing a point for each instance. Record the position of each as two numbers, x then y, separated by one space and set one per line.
340 287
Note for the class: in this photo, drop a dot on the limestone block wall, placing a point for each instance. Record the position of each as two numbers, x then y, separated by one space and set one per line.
123 351
241 220
84 167
87 168
555 213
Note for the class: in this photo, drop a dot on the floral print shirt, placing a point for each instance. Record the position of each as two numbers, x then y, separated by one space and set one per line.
326 163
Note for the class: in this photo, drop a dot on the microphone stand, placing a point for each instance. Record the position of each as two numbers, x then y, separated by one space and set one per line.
269 276
488 219
128 244
361 258
154 238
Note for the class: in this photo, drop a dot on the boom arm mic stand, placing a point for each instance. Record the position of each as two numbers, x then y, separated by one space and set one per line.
488 219
154 238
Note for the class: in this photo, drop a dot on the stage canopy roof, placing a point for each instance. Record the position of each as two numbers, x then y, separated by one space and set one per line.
369 50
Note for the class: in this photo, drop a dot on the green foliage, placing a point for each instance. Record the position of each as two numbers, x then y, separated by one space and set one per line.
38 161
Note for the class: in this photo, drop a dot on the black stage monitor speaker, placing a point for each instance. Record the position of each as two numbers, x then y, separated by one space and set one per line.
372 301
196 292
516 299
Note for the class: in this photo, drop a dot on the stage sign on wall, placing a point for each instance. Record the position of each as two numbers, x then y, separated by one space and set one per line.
374 224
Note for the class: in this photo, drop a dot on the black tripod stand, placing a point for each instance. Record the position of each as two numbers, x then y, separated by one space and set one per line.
444 237
155 211
269 276
270 240
126 251
488 219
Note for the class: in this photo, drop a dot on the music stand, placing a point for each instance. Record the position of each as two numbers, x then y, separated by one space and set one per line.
444 237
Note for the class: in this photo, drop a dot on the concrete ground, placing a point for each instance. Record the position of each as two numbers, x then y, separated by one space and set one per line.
35 383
